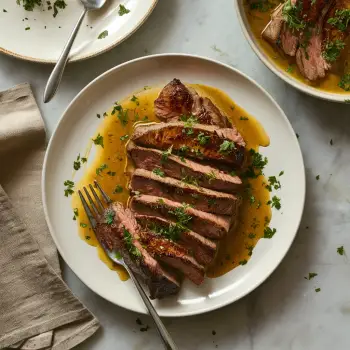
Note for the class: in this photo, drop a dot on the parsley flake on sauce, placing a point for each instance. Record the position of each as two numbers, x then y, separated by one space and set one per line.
135 99
123 138
83 225
100 169
98 141
118 189
103 35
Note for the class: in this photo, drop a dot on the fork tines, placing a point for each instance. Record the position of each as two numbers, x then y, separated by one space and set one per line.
98 207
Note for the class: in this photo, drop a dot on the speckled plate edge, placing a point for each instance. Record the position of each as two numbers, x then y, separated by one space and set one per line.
83 58
301 185
274 68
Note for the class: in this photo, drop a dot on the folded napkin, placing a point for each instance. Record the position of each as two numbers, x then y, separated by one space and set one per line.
37 310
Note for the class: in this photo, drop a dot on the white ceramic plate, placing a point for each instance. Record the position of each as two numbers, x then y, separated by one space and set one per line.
45 39
79 123
275 68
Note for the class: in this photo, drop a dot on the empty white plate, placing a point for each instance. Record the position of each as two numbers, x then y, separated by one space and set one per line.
38 36
79 123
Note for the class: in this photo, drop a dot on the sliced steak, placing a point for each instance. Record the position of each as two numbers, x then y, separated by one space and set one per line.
193 140
203 249
273 29
173 254
123 235
206 224
149 183
176 100
289 41
179 168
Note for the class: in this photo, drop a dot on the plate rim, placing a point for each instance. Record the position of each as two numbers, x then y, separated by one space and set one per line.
191 56
87 56
309 90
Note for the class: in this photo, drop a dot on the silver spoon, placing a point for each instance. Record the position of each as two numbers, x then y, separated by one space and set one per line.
56 75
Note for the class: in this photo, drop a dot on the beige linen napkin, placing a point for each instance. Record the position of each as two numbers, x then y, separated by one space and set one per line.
37 310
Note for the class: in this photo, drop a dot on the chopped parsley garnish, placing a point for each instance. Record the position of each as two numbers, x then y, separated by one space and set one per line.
345 82
317 290
4 10
123 114
87 238
281 173
172 231
77 163
292 14
211 202
111 173
98 116
341 19
103 35
331 142
275 202
100 169
258 162
109 216
311 276
98 140
189 121
273 183
243 262
317 177
69 188
83 225
341 250
123 138
135 99
129 244
203 139
27 28
333 50
243 118
262 5
233 173
181 214
76 213
166 154
269 233
227 147
158 172
190 180
252 199
123 10
118 189
290 68
251 235
211 176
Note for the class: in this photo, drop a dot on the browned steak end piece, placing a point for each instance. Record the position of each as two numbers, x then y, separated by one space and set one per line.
161 282
203 249
176 100
179 168
174 255
206 224
147 182
289 41
173 101
195 141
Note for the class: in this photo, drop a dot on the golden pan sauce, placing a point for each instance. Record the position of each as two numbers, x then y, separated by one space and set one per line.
258 21
234 249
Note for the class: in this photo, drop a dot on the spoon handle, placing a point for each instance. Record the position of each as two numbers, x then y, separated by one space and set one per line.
56 75
166 337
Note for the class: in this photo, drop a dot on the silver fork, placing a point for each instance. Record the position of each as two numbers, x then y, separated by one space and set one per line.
93 214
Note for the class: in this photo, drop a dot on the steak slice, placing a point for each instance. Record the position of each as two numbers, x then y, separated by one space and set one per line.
206 224
174 255
123 235
149 183
203 249
178 168
289 41
176 100
193 140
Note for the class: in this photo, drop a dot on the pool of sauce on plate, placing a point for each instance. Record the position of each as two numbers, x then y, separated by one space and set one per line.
258 20
236 248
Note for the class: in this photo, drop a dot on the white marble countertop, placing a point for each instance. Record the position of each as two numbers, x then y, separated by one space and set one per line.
285 312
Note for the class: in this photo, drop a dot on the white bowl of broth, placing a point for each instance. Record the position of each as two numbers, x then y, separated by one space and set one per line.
254 19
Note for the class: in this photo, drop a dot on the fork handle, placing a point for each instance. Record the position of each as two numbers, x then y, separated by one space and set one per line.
166 337
57 73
